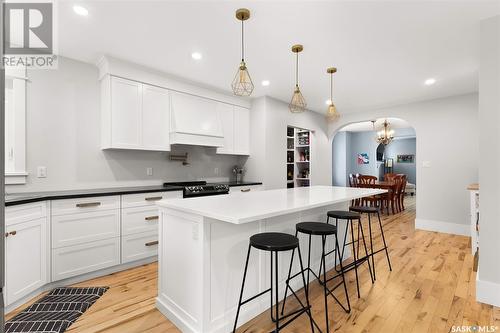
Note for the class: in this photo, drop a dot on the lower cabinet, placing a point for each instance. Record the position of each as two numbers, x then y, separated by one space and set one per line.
139 246
79 259
25 258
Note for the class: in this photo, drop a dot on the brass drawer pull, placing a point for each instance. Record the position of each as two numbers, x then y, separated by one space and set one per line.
153 198
151 243
88 204
151 218
246 190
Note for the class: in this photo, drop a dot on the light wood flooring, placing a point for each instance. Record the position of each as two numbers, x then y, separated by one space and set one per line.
431 288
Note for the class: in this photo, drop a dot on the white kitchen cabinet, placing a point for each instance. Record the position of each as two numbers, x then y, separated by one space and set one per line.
241 131
226 114
155 118
79 259
126 105
236 128
134 115
139 246
26 251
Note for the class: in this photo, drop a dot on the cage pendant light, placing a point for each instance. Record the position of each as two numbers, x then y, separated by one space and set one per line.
331 113
298 103
242 84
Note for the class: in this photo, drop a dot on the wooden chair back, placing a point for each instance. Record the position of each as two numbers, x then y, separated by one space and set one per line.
366 180
353 180
389 176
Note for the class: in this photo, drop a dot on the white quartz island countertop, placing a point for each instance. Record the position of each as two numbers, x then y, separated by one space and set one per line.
241 208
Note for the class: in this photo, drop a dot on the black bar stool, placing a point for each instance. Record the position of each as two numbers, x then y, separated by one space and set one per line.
369 211
323 230
350 217
275 242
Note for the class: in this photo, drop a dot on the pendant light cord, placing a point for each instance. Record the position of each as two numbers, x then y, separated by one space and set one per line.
242 42
297 70
331 88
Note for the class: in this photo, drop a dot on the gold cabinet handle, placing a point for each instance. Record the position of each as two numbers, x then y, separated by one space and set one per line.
246 190
151 218
88 204
151 243
153 198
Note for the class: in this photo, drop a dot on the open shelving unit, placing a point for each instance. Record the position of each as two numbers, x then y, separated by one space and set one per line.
298 164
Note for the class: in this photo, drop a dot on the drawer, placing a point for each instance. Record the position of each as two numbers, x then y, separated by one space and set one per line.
147 199
24 213
246 189
139 219
80 259
82 205
82 228
139 246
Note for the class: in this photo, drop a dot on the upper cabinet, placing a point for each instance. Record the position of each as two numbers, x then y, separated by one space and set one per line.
134 115
236 128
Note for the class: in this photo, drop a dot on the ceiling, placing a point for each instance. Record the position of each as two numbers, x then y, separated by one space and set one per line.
368 125
384 51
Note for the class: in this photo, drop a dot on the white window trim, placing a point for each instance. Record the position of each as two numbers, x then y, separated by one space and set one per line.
18 150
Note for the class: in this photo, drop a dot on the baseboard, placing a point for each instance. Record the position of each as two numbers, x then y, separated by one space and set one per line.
488 292
445 227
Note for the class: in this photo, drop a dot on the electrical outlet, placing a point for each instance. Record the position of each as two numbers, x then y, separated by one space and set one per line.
41 172
149 171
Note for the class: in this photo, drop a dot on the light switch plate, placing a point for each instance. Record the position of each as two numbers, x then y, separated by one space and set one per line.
426 164
41 172
149 171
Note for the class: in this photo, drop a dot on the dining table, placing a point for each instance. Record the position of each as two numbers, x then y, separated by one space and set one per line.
381 184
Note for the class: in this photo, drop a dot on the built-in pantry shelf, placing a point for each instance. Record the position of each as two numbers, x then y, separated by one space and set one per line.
298 164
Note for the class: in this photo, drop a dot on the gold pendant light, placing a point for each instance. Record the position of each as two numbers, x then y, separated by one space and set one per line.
298 103
332 114
242 84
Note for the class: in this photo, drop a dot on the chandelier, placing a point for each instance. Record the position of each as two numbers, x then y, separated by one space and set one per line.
385 135
242 84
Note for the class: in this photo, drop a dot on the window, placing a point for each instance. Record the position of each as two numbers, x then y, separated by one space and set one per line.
15 126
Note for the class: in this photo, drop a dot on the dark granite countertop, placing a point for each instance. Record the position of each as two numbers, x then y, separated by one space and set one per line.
22 198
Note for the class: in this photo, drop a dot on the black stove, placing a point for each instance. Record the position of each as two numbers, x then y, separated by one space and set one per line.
199 188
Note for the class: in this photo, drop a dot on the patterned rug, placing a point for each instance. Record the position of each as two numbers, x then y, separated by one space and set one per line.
55 312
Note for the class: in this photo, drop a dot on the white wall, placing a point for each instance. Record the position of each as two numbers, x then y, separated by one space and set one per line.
269 120
488 284
447 138
339 159
63 134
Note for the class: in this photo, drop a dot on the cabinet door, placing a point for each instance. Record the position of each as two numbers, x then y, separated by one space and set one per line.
226 112
241 131
25 258
155 118
126 104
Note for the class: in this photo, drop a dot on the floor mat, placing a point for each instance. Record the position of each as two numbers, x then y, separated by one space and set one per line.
56 311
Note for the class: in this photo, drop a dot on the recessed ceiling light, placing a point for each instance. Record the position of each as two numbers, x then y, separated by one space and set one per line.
265 83
196 55
430 82
81 10
328 102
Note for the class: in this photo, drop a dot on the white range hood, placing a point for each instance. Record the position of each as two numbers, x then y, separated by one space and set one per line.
195 121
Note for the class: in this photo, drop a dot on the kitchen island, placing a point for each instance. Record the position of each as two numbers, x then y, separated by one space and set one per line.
203 243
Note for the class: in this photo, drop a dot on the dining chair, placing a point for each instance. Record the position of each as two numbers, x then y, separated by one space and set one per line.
401 193
389 176
353 182
373 200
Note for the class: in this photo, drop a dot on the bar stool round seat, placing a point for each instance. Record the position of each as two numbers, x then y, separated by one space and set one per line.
274 241
316 228
343 215
364 209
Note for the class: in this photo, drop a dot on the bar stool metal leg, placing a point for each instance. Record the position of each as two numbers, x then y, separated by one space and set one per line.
354 255
276 290
306 290
242 286
367 256
383 239
371 245
343 277
323 256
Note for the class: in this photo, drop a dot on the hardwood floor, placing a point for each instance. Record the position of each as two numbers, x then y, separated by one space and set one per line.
431 288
